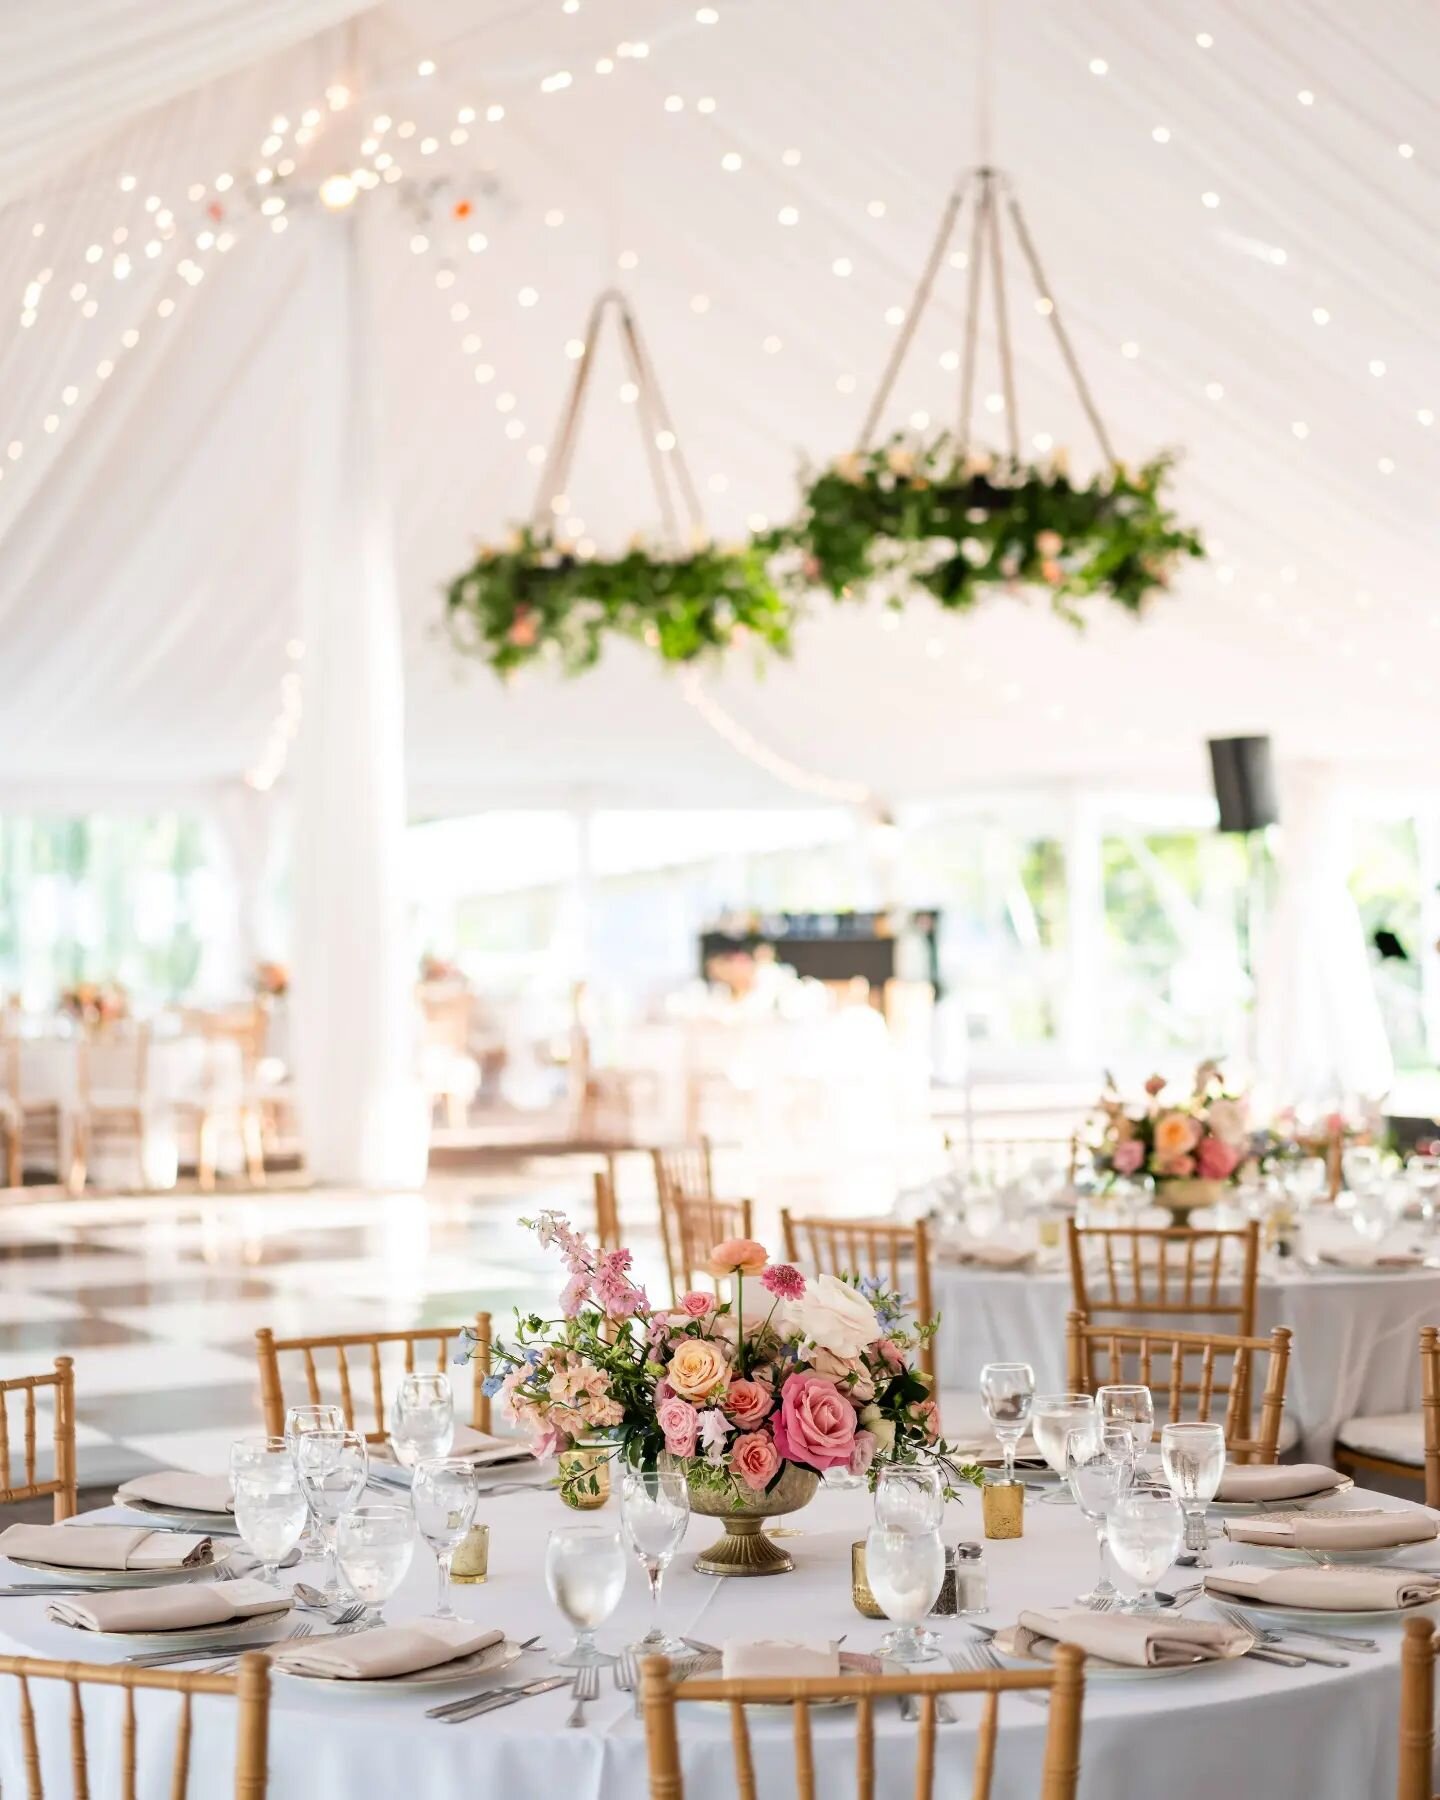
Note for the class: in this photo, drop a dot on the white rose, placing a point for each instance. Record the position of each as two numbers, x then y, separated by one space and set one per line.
1227 1120
834 1316
880 1428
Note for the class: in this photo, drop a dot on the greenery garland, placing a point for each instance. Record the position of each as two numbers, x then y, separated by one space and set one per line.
538 597
903 516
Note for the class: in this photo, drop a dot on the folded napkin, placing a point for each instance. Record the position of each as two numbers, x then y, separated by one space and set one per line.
981 1253
477 1447
180 1489
1137 1641
1367 1256
1244 1482
187 1607
1376 1528
750 1658
1349 1589
387 1651
112 1547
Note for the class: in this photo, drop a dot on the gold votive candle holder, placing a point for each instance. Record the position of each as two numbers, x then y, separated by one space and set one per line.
1002 1504
471 1561
861 1597
580 1467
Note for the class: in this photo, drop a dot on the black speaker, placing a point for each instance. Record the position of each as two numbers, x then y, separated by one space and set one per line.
1244 783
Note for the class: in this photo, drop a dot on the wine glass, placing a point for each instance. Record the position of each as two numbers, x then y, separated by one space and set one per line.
299 1421
655 1514
1423 1173
1192 1454
1145 1529
333 1467
422 1420
1306 1180
374 1545
1131 1406
904 1570
445 1493
585 1573
1007 1389
1099 1470
909 1497
270 1509
1361 1167
1052 1418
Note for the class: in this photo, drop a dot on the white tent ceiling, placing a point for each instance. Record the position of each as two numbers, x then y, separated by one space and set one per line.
151 404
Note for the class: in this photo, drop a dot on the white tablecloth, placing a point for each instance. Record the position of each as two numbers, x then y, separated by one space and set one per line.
1354 1349
1241 1729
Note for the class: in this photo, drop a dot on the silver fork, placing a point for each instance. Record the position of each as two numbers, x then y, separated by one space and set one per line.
229 1668
1232 1616
1338 1641
587 1687
979 1657
159 1659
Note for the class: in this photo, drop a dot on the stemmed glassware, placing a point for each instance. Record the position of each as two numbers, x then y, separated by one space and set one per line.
585 1573
270 1509
422 1419
904 1571
374 1545
1008 1390
1145 1529
1192 1454
333 1467
909 1497
1052 1418
299 1422
1130 1406
655 1513
1099 1471
1423 1174
445 1493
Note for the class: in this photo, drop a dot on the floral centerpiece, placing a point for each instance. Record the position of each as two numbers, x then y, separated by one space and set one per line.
755 1396
1189 1146
95 1004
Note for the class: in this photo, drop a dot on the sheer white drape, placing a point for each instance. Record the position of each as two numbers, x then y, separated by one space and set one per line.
363 1113
1320 1037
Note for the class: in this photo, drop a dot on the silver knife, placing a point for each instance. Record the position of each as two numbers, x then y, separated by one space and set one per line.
1311 1656
505 1697
1286 1658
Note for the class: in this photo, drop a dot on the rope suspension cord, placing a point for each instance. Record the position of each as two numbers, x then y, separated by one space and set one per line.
973 298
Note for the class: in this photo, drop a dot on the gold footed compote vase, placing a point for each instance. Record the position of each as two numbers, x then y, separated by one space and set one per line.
744 1548
1183 1194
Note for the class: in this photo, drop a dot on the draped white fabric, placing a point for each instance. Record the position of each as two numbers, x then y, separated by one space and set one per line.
354 1011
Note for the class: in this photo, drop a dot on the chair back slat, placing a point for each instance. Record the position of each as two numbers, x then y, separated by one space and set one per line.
985 1745
440 1338
607 1208
1430 1410
127 1748
79 1768
61 1485
804 1752
864 1747
896 1254
31 1743
1417 1710
740 1744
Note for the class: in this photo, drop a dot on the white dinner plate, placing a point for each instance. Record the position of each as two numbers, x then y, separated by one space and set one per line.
1264 1609
1238 1508
465 1668
221 1522
86 1579
1096 1667
195 1637
1284 1553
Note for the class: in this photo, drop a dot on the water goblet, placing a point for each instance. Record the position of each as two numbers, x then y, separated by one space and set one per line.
1360 1165
909 1497
444 1493
422 1419
270 1508
374 1545
1192 1453
585 1574
1306 1179
1132 1406
299 1422
1145 1529
1099 1470
333 1467
904 1571
1052 1418
655 1513
1008 1389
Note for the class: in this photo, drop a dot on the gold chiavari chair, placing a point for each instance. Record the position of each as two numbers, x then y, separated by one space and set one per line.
1009 1159
898 1255
1064 1681
1175 1271
690 1229
687 1171
62 1482
607 1210
249 1687
1417 1710
269 1349
111 1115
1114 1353
1403 1446
45 1127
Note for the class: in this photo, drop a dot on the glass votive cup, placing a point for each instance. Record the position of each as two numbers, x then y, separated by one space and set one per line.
1002 1505
471 1561
861 1598
580 1467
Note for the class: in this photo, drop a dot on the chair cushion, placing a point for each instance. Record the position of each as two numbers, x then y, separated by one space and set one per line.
1398 1437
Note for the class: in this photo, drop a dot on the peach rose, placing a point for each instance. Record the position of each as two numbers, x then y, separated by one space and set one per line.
1128 1156
1181 1166
737 1256
754 1458
748 1402
1175 1134
847 1372
696 1369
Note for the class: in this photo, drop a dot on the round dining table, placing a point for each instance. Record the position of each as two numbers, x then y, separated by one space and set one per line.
1240 1728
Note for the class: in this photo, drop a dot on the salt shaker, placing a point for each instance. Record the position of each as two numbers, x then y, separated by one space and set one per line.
972 1579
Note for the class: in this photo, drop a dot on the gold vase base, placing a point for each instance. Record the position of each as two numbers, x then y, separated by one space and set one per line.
744 1550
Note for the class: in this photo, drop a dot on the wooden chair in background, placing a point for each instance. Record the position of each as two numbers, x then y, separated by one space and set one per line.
47 1127
1417 1710
1188 1384
686 1172
690 1229
114 1083
607 1209
1001 1160
897 1255
1060 1773
1403 1446
62 1483
249 1688
269 1349
1174 1271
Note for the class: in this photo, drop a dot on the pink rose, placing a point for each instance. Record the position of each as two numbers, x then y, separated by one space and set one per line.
862 1453
680 1422
696 1305
893 1354
755 1459
1216 1161
1155 1085
1128 1156
1181 1166
748 1402
737 1256
815 1424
